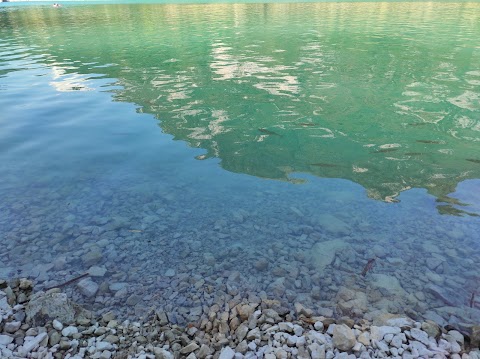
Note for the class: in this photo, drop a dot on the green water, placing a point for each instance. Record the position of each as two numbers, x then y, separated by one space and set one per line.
383 94
157 135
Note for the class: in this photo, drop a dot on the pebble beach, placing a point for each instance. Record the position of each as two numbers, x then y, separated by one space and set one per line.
49 325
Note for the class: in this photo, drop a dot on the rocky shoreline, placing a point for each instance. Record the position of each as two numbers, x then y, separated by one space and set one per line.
49 325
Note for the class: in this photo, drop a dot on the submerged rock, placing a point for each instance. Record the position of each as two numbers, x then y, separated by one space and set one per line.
323 254
332 224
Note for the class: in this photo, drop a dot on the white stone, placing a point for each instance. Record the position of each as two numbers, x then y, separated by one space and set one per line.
104 346
377 333
318 326
32 343
57 325
12 327
227 353
5 340
69 331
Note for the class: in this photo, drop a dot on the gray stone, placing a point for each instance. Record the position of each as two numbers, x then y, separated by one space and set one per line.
133 299
241 332
301 310
87 287
343 337
322 254
431 328
261 264
204 351
253 334
55 338
317 351
97 271
332 224
189 348
115 287
170 273
12 327
161 353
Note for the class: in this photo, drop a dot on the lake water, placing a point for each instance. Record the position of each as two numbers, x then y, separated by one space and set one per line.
199 154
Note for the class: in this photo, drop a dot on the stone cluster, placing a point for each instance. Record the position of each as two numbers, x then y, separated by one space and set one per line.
49 325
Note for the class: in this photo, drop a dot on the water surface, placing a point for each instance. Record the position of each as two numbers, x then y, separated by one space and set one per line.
201 153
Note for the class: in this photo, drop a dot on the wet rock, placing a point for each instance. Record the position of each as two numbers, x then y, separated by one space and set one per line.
333 224
92 257
323 254
389 284
87 287
261 264
97 271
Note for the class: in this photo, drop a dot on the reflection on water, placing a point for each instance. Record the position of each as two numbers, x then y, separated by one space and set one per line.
384 95
392 101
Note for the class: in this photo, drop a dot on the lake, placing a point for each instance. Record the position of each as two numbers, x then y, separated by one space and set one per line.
326 154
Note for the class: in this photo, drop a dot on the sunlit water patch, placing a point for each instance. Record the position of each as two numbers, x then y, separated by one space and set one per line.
198 154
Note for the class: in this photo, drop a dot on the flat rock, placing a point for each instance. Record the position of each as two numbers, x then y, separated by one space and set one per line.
377 333
323 254
393 320
189 348
332 224
97 271
389 283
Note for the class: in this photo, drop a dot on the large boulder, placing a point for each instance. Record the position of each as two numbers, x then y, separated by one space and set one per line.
48 306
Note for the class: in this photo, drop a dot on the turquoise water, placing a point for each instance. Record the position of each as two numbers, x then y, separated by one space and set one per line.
200 153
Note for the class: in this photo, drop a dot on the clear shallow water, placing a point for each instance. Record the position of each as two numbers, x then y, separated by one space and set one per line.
204 152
